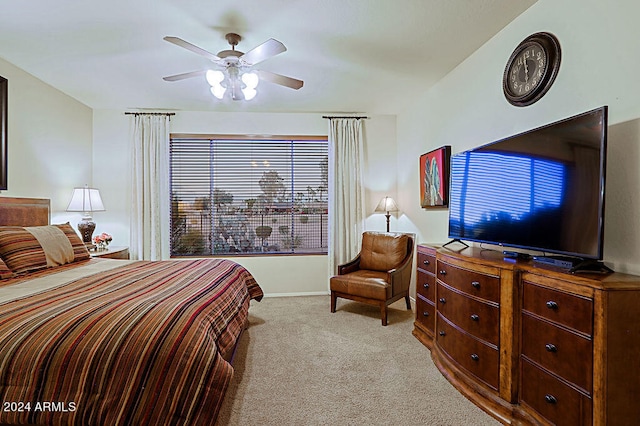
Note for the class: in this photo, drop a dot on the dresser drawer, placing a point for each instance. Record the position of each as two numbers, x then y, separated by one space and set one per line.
560 351
426 285
477 318
474 283
479 359
425 313
553 399
426 261
563 308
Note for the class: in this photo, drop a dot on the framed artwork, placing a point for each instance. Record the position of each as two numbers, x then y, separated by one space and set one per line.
3 132
434 178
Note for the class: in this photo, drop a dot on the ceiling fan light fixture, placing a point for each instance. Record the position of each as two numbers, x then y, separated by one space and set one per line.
214 77
249 93
236 91
242 86
218 91
234 62
250 79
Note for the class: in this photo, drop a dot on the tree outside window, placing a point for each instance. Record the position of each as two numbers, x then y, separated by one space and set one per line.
248 197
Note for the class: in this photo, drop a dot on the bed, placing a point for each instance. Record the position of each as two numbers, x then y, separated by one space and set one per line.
111 342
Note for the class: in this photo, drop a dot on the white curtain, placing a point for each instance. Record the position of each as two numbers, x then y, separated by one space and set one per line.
150 187
346 197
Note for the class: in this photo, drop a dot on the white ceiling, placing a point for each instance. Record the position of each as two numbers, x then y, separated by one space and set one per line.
353 55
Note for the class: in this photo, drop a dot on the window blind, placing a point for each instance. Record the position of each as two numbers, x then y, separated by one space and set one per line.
248 196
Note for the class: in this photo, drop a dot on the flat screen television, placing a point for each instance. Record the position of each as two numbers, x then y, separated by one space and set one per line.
540 190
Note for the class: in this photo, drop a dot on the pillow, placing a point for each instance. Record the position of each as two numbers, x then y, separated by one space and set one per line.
80 251
5 272
26 249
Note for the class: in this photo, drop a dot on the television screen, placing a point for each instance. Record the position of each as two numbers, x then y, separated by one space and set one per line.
540 190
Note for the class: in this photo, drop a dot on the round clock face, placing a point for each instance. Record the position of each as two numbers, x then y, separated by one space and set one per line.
527 69
531 69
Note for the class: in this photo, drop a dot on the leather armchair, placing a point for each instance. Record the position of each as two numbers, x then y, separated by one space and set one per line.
379 275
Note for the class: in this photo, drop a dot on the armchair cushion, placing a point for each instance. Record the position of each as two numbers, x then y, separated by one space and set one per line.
363 283
382 252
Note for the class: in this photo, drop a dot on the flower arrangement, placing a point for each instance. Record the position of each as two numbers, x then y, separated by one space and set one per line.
102 240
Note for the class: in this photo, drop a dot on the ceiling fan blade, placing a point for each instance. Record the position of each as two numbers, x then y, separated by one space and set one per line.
282 80
184 75
192 47
266 50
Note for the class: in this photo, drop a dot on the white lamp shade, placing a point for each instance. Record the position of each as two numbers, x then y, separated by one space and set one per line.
85 200
387 204
218 91
232 81
250 79
214 77
249 93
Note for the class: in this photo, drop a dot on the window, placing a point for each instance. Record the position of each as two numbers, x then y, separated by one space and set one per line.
237 196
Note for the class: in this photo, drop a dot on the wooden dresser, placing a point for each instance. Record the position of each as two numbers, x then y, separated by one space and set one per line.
532 344
425 324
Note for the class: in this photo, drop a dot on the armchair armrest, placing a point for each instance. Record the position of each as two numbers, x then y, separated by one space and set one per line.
400 277
351 266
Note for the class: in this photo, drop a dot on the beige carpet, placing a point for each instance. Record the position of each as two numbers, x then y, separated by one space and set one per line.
298 364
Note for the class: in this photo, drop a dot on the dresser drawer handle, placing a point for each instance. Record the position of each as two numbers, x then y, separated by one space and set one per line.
475 357
552 305
425 313
443 300
425 285
475 284
442 333
443 272
426 262
550 347
475 317
550 399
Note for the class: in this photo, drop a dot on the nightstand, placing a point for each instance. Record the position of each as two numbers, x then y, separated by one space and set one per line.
112 253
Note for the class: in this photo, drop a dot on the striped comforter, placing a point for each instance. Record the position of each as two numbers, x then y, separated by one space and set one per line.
141 344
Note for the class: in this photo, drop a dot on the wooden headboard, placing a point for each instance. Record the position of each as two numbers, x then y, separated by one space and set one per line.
24 211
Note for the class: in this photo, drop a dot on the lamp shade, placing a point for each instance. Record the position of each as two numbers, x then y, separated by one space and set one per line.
85 200
387 204
241 86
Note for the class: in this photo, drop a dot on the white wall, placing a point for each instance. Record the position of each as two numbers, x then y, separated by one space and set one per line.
380 170
276 274
49 142
467 108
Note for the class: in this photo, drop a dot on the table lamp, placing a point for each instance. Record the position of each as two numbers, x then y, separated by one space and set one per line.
387 205
86 200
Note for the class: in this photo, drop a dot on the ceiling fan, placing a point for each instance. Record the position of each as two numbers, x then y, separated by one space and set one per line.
235 75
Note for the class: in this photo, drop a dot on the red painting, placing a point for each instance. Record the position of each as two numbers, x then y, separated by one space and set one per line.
434 177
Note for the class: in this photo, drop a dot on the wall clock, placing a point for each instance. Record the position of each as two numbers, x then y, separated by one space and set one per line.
531 69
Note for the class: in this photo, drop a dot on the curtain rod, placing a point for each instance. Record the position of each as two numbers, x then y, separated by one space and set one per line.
150 113
345 116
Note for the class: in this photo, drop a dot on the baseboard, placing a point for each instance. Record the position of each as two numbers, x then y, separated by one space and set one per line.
318 293
305 293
